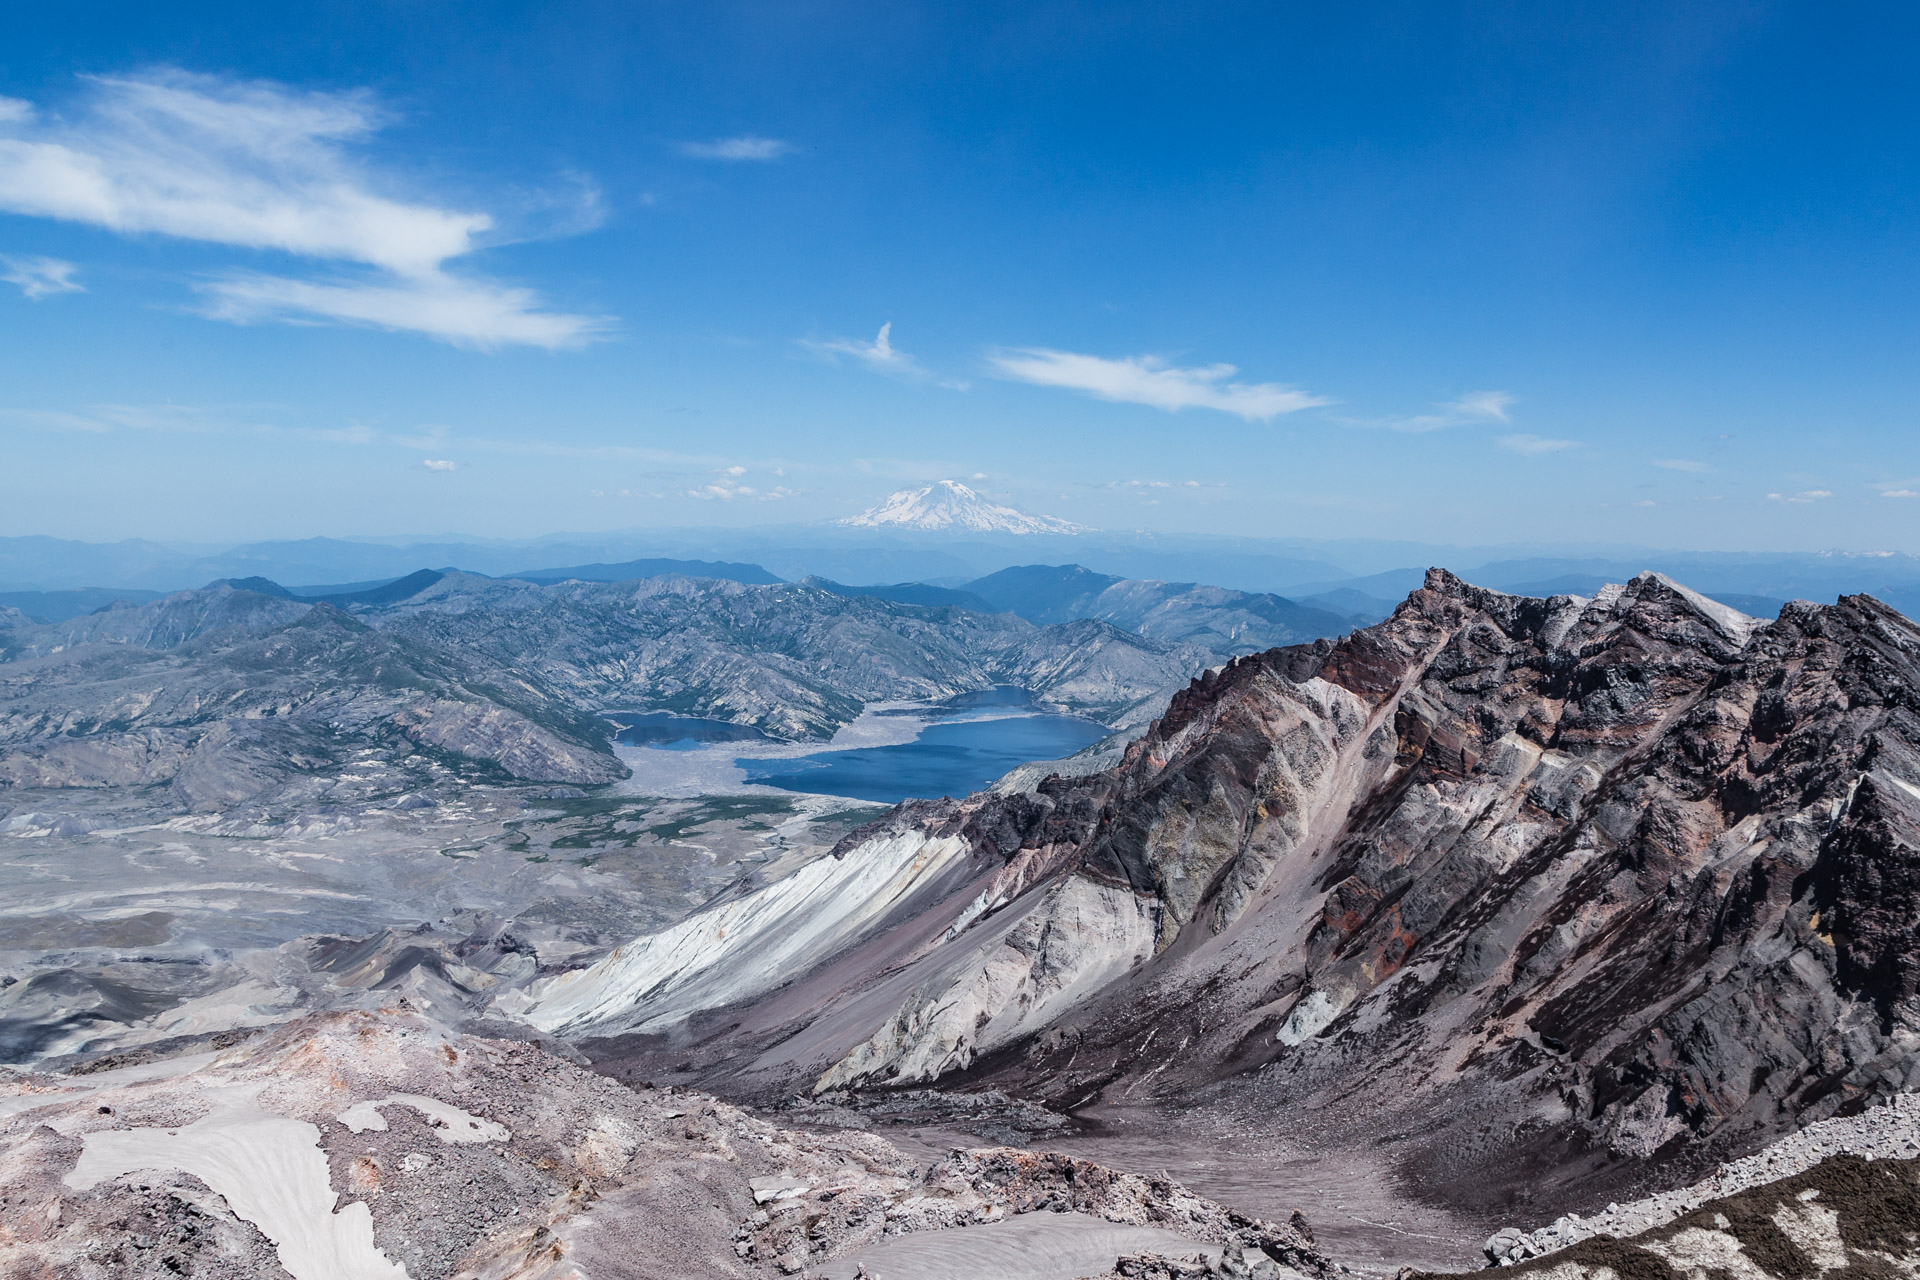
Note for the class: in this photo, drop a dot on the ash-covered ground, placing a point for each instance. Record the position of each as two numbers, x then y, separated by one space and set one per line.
380 1145
124 923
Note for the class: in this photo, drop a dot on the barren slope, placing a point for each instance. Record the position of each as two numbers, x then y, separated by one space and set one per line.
1536 893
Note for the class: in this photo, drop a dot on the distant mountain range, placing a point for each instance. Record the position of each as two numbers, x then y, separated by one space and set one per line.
950 505
50 578
1226 622
247 692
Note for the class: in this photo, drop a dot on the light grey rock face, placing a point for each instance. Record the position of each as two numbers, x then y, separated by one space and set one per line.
1545 893
1082 936
1888 1132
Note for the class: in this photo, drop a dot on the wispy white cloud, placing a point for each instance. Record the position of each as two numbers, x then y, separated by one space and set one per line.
1900 493
40 277
54 420
1681 464
1534 446
15 110
1151 381
1483 404
1474 407
728 487
1805 495
473 313
439 464
745 147
261 166
880 355
131 417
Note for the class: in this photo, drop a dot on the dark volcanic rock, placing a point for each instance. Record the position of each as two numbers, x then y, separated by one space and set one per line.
1845 1217
1544 894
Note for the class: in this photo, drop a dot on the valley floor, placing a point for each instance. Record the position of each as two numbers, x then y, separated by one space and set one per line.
1361 1219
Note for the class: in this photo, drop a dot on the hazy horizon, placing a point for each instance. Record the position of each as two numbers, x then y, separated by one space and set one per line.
1406 274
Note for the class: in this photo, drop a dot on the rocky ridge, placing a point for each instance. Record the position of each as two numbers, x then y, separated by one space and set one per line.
1890 1131
227 694
1845 1216
1543 896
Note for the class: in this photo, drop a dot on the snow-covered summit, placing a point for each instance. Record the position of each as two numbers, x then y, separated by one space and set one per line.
949 504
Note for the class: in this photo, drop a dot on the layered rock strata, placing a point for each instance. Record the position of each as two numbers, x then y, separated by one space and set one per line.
1531 890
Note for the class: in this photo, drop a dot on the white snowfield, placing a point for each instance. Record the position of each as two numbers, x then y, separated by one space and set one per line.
450 1124
948 504
270 1170
741 948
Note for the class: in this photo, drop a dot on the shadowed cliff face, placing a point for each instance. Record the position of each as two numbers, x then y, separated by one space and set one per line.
1519 883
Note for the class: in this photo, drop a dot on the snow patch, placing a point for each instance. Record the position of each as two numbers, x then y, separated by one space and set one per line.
270 1170
450 1123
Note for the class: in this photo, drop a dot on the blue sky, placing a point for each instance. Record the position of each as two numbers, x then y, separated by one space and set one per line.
1452 273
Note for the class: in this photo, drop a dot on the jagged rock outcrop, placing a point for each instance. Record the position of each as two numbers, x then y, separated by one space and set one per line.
1536 889
1845 1217
1890 1131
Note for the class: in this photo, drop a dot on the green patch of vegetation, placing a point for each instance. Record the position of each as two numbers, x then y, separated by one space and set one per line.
591 807
723 809
849 818
598 836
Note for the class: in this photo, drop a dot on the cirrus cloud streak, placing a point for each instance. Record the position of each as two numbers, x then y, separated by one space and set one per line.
40 277
1535 446
1151 381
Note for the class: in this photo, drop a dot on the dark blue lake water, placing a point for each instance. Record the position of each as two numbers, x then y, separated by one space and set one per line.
667 732
950 757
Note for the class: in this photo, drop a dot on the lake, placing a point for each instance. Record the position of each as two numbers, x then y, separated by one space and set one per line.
667 732
967 744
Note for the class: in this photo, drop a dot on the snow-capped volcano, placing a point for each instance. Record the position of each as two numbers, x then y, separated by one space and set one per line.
949 504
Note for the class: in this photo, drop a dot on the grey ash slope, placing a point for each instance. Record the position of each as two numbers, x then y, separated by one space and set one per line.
1533 897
